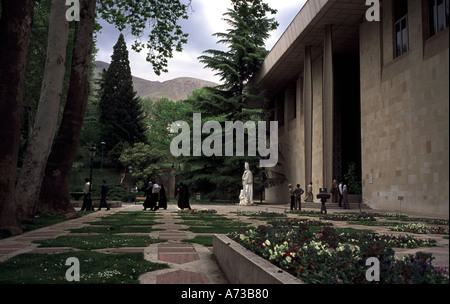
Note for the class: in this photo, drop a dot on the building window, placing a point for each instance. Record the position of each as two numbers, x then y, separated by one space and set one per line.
438 15
401 27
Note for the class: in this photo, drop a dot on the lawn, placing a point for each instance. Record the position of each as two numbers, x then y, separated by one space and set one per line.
210 223
95 268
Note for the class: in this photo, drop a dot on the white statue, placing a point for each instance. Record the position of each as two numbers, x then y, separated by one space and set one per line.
246 197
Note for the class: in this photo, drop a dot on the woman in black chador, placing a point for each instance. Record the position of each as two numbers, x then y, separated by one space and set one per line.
183 196
180 193
162 198
148 196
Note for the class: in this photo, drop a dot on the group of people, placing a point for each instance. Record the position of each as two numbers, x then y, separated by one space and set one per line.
155 197
338 195
87 200
296 195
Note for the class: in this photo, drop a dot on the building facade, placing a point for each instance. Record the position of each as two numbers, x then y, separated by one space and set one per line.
347 89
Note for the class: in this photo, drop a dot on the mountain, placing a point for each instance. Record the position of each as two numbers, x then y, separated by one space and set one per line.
175 89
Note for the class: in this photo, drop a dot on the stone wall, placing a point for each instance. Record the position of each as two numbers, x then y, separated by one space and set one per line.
405 116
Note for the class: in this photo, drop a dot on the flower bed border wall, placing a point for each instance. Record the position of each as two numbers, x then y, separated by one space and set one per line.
241 266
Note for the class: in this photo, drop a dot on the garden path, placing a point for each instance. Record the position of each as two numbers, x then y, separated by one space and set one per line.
189 263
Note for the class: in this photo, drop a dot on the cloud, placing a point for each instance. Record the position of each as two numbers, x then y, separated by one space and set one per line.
205 19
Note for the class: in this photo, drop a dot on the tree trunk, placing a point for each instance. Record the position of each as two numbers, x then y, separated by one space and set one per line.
41 139
54 195
15 31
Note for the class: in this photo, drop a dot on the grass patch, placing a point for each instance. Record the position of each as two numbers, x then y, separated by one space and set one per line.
205 240
90 242
354 231
210 223
43 220
122 222
95 268
374 223
115 229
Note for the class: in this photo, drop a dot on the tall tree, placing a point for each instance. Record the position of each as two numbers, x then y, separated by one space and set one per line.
165 35
55 185
41 139
15 28
120 111
249 27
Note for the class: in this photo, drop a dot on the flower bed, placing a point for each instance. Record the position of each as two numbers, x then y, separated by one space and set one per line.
349 217
265 214
420 228
328 257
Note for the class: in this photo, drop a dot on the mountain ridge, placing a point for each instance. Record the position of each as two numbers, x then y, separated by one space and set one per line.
175 89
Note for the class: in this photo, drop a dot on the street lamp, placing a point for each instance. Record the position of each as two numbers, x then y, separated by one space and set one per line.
130 185
103 147
92 151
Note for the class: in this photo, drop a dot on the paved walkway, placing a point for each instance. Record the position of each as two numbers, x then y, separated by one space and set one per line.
189 263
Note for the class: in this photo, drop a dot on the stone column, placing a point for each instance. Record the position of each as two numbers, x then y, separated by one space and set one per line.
308 115
327 108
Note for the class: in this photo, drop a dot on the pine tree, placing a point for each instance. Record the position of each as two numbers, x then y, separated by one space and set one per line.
249 28
120 111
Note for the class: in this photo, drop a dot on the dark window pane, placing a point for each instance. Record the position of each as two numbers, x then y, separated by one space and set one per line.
447 21
440 15
400 9
432 17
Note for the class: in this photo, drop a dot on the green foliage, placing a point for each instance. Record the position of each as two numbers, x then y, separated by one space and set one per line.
159 16
249 26
353 183
146 162
160 115
120 112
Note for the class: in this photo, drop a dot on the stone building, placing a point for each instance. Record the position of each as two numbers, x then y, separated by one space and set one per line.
375 93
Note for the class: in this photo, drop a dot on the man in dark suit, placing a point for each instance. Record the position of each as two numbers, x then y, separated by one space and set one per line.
103 194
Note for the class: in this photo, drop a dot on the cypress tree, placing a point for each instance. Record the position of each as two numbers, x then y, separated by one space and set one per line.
120 112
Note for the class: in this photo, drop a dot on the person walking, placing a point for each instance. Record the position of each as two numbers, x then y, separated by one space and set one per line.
148 196
86 195
341 185
180 193
298 197
309 194
345 204
292 195
162 198
103 194
155 193
335 192
186 197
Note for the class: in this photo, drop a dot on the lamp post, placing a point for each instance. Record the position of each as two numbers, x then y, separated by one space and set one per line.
103 147
92 151
130 185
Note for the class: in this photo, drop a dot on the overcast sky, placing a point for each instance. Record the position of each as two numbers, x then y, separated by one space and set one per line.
205 19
